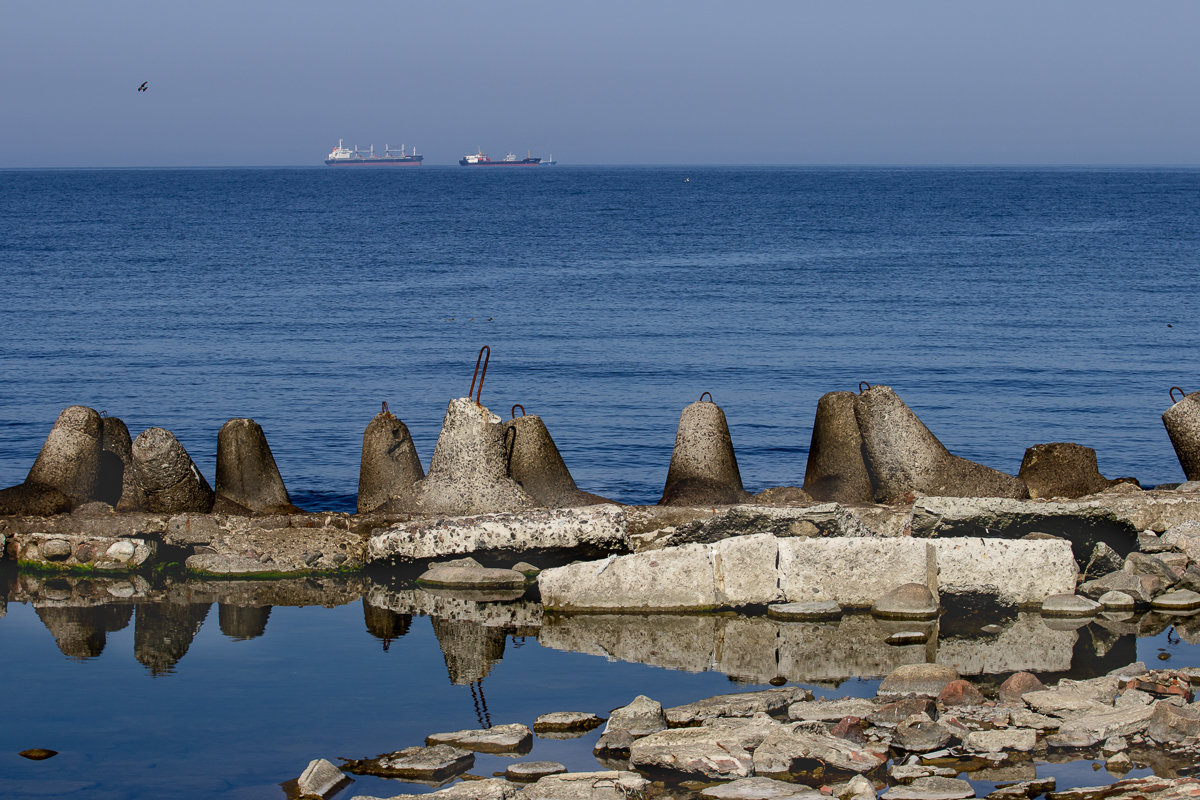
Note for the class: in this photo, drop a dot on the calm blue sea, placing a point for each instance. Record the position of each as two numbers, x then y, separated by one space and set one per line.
1008 307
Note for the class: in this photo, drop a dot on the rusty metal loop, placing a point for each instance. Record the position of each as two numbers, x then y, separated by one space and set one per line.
709 397
1172 393
103 414
514 410
384 410
510 444
485 359
861 384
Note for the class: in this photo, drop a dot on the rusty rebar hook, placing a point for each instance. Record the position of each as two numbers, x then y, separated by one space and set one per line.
1172 393
510 444
384 410
481 376
709 397
514 410
861 384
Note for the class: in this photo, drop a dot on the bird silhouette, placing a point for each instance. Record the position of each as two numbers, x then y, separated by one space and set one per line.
145 85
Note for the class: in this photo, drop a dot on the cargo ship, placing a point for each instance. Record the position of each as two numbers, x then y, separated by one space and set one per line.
480 159
343 156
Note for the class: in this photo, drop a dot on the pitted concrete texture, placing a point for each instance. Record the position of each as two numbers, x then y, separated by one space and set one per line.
1020 572
167 474
469 470
674 579
117 485
703 469
81 550
536 464
853 572
904 457
390 466
33 499
1061 469
1182 422
70 458
836 470
246 469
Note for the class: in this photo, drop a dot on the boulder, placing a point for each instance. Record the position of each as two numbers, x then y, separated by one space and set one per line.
529 771
512 738
1142 588
168 475
536 464
889 715
321 778
70 457
601 785
566 722
1061 469
923 680
469 470
703 470
415 763
474 577
1101 725
246 471
960 693
738 704
785 753
390 466
1018 684
1172 723
1145 564
835 469
1182 421
1102 561
903 456
1184 537
1021 740
641 717
832 710
920 734
705 752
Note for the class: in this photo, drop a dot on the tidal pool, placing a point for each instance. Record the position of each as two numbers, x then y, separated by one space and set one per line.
228 688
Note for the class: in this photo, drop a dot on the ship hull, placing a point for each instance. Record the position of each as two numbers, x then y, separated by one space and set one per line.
374 162
525 162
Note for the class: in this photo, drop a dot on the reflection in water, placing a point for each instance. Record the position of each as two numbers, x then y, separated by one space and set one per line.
384 624
470 649
81 631
242 622
163 632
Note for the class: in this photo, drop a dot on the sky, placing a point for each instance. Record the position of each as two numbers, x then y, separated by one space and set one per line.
278 82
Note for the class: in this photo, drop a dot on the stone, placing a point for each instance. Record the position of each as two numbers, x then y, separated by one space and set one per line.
782 754
925 680
907 601
960 693
1190 579
530 771
759 788
782 496
1069 605
536 464
70 457
999 741
1179 600
1102 561
511 738
389 467
889 715
852 729
1182 421
33 499
932 788
56 549
246 471
1107 723
526 569
920 734
321 778
1061 469
613 744
165 472
1018 684
738 704
483 789
831 710
705 752
1019 573
744 570
1142 588
435 763
1144 564
566 722
601 785
812 611
836 470
1172 723
472 577
903 456
641 717
1116 601
468 473
703 470
907 773
1024 718
116 483
1185 538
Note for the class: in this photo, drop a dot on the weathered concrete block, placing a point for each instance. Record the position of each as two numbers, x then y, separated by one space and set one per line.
661 580
246 469
116 482
166 473
1019 572
745 569
1061 469
390 466
703 469
536 464
835 469
853 572
1182 421
70 458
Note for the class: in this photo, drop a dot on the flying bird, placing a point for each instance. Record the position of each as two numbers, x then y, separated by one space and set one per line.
145 85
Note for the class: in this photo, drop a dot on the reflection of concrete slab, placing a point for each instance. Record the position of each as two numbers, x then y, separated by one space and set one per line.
457 607
1028 643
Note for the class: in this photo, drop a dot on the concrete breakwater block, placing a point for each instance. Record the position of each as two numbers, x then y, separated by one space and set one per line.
836 470
703 469
390 466
536 464
1061 469
117 483
1182 421
903 456
165 471
469 470
246 471
70 457
853 572
1019 572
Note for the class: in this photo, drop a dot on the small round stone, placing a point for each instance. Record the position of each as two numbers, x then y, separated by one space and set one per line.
56 549
817 609
1116 601
1069 605
120 551
530 771
1178 600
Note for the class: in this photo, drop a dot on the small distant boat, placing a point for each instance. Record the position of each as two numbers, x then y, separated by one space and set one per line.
343 156
481 159
549 162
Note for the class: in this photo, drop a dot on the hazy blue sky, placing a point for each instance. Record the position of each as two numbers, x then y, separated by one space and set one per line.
613 82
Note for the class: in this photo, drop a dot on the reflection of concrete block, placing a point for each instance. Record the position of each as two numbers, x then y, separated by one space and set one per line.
853 572
682 642
1025 645
748 649
660 580
745 570
1019 572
